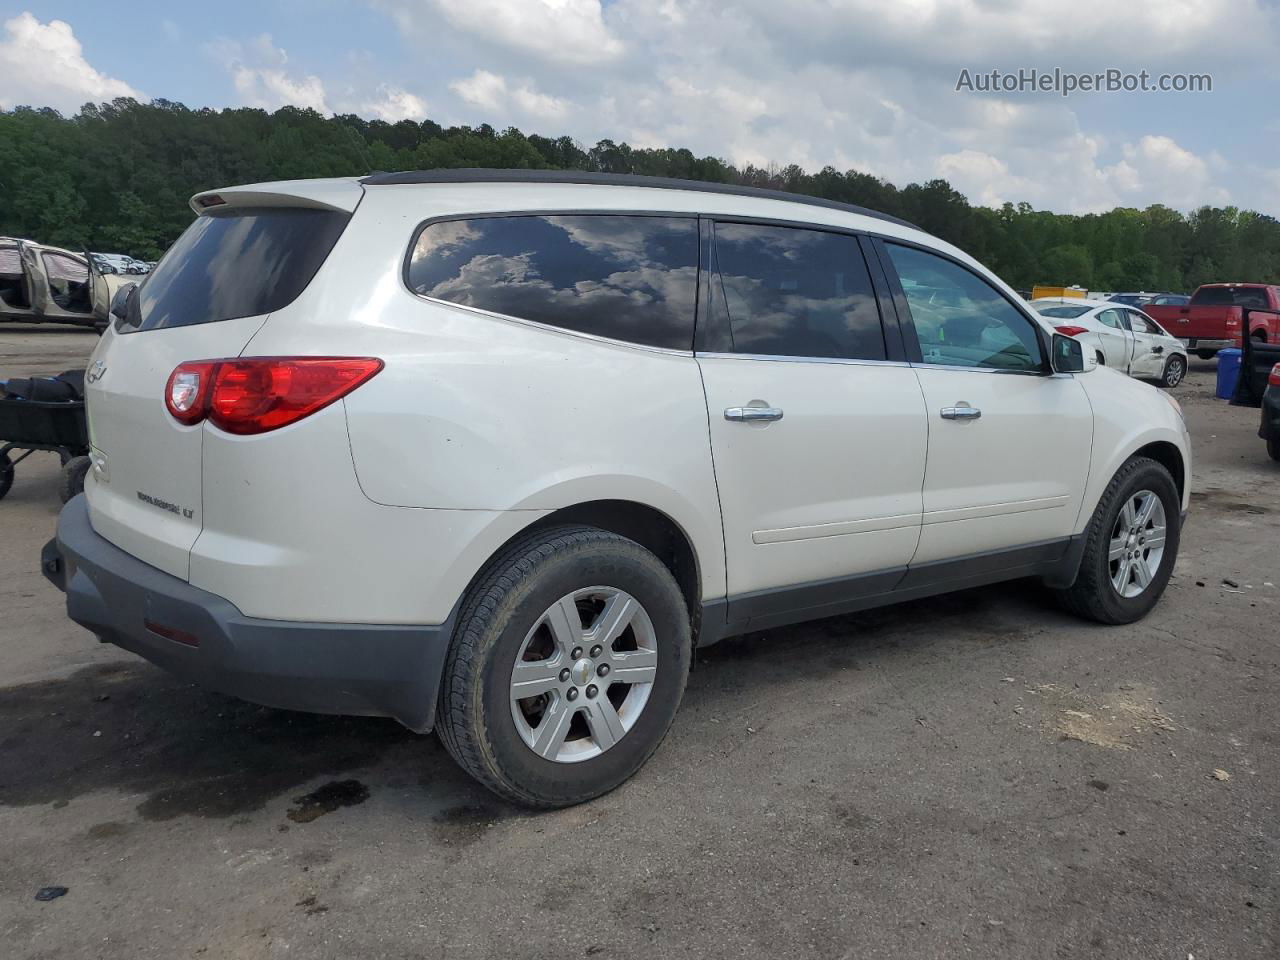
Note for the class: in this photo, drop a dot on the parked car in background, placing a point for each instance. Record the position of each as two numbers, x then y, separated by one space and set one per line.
1213 318
42 284
1168 300
1121 337
1129 299
1269 429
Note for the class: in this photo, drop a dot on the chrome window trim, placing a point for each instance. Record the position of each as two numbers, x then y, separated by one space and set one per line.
1000 370
548 327
783 358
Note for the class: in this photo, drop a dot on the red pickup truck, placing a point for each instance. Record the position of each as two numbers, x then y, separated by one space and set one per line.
1214 317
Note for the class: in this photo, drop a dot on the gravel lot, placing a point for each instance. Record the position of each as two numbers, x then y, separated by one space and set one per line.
971 775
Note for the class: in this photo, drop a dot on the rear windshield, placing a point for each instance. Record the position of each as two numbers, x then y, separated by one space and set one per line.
240 262
1230 297
1062 313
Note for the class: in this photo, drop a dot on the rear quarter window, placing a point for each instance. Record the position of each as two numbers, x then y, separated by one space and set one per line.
237 262
626 277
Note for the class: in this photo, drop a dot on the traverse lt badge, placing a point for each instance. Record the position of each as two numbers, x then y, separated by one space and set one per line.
96 371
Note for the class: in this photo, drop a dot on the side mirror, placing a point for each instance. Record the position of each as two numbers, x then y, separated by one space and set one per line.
120 300
1070 356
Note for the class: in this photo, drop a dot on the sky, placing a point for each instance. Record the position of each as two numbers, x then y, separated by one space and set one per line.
858 84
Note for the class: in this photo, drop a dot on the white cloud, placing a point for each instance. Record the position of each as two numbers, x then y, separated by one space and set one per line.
559 31
43 64
259 71
393 104
491 92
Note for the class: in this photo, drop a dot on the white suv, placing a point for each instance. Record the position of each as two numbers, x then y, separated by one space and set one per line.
492 451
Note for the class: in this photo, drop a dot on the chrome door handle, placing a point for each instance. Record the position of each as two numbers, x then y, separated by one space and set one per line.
961 413
753 414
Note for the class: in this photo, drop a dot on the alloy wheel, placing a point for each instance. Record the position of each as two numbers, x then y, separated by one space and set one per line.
1174 372
1137 544
583 674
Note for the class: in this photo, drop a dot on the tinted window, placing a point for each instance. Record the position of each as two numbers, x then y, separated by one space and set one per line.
240 262
797 293
626 277
959 318
1230 297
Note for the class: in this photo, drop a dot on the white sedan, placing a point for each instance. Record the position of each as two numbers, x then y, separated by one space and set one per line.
1122 337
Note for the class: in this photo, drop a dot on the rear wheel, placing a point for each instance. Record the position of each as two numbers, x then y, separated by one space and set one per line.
1273 449
1206 354
567 665
6 474
1131 546
73 474
1174 370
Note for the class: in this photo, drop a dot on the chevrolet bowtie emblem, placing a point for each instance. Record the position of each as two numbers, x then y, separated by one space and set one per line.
96 371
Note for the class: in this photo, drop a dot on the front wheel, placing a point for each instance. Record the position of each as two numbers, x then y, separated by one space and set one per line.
1174 370
567 666
1130 548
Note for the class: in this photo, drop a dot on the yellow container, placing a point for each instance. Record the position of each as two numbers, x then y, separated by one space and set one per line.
1038 291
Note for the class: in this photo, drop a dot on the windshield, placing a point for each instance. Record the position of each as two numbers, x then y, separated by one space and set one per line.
239 262
1230 297
1063 312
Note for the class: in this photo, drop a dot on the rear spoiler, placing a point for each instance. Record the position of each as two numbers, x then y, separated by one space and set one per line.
341 194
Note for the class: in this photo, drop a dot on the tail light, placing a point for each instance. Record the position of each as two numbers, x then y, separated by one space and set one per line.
1067 330
250 395
1273 378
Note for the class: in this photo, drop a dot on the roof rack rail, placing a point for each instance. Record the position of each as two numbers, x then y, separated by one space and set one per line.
482 175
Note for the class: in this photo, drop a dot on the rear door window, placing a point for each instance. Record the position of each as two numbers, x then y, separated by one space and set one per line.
1112 319
237 262
795 292
625 277
1230 297
961 320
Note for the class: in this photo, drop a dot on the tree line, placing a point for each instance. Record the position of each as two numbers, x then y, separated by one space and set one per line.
117 177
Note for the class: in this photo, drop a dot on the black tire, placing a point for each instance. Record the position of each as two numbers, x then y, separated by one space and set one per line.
6 474
1206 354
1273 451
73 474
1175 368
474 715
1092 596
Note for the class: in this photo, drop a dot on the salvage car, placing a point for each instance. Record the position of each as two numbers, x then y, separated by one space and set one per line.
42 284
1121 337
491 452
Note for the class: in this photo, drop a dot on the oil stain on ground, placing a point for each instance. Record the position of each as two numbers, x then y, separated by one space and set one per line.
326 799
189 751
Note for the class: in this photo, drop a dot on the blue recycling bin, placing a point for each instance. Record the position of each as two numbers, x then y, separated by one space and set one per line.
1228 372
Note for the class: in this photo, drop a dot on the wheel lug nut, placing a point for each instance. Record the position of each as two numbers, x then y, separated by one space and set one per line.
571 693
595 651
577 653
564 675
592 690
603 670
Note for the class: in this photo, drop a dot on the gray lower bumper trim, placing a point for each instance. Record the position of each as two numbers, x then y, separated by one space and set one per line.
362 669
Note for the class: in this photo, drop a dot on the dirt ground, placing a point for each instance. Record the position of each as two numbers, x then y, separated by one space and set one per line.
971 775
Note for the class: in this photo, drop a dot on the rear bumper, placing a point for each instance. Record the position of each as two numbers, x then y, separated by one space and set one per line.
361 669
1201 343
